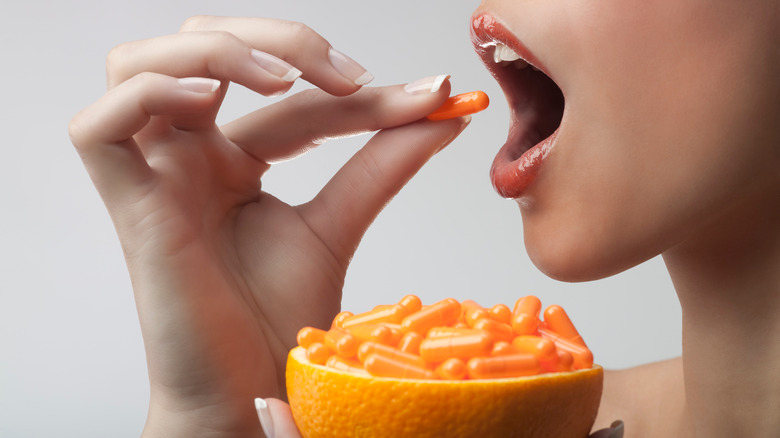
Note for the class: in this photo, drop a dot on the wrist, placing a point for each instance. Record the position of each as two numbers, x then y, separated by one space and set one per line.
191 421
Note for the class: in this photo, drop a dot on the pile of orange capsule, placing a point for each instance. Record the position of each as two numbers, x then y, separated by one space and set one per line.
449 340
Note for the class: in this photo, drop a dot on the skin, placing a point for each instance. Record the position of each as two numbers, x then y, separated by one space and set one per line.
668 145
224 274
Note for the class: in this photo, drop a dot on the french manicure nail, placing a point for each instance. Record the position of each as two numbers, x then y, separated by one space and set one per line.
266 422
617 429
431 84
276 66
349 68
199 85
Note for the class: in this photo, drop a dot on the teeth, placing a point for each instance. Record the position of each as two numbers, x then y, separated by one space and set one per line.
502 53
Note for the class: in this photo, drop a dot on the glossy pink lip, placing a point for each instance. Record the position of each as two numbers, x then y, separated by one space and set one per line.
536 103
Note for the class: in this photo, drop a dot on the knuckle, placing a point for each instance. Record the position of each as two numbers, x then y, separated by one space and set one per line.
220 42
373 172
195 23
302 32
144 79
221 38
77 130
116 58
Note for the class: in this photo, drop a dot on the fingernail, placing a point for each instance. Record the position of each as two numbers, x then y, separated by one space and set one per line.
276 66
199 85
431 84
617 429
266 422
349 68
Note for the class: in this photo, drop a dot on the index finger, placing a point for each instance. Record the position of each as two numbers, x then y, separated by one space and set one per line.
295 43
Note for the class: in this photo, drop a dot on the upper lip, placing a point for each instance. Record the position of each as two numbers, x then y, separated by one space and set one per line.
487 31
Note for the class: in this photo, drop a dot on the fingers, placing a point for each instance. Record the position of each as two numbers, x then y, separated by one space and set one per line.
306 119
276 418
264 55
218 55
296 43
103 132
351 200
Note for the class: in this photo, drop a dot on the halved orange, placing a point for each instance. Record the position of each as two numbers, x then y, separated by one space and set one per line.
328 403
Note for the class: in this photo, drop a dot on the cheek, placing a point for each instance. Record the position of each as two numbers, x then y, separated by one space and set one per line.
665 126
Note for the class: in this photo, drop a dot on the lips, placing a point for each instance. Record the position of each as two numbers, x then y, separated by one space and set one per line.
535 101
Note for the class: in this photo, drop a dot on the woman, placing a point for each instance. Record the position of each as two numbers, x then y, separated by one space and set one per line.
649 129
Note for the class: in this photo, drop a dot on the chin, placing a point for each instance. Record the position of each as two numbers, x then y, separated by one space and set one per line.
576 252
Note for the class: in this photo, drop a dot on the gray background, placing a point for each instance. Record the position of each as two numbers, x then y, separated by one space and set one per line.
72 361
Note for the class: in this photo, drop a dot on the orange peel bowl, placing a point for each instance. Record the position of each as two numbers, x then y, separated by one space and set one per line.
329 403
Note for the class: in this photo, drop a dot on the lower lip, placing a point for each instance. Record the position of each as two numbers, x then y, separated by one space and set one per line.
512 176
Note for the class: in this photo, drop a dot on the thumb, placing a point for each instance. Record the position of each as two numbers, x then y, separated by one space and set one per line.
352 199
276 418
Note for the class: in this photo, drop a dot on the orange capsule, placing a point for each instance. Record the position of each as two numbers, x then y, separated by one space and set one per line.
443 332
460 346
371 332
472 312
391 314
559 322
310 335
525 316
338 321
318 353
368 348
382 366
501 348
410 343
451 369
444 312
500 331
501 313
513 365
563 361
460 324
341 343
543 349
410 304
461 105
583 357
396 333
342 364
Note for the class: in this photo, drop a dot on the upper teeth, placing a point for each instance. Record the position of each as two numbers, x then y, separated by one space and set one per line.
503 53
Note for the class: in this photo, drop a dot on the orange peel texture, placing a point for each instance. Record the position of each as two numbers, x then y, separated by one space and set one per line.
442 398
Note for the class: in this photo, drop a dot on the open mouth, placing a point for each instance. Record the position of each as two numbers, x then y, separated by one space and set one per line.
535 100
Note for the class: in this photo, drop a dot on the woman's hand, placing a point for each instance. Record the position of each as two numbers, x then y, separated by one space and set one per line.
224 274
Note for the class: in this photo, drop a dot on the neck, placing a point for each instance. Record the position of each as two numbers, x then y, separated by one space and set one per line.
727 278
